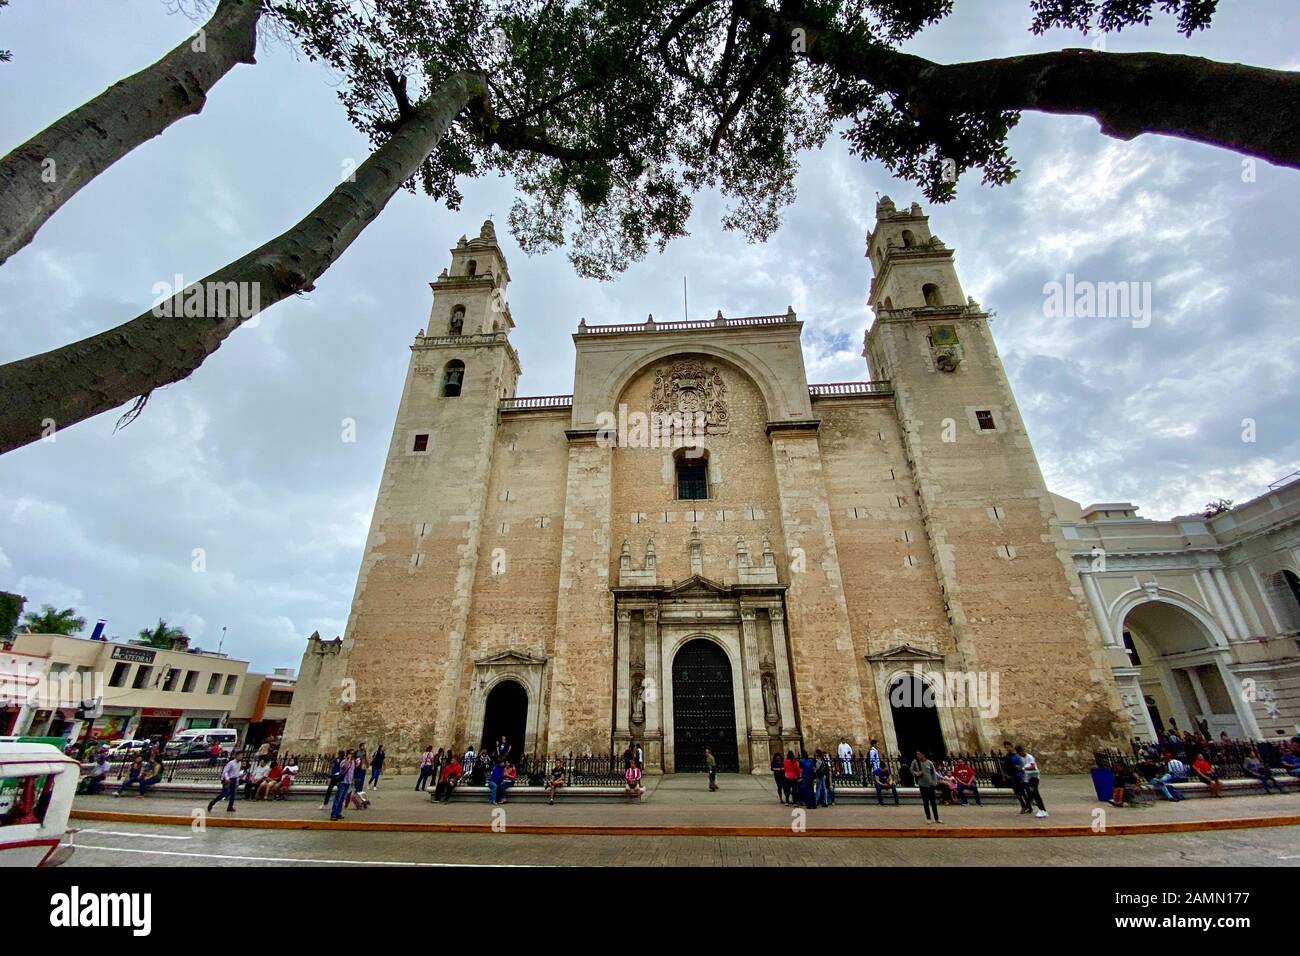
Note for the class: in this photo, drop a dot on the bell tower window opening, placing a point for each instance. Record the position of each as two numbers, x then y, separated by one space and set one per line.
692 474
453 378
457 323
471 268
930 291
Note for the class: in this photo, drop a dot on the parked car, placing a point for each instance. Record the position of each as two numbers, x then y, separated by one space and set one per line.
120 749
37 783
198 743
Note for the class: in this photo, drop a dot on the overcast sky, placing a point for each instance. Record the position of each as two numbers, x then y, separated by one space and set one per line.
245 460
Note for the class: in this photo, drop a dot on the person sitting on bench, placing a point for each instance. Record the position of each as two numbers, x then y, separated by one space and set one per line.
884 781
447 780
633 777
1175 772
1206 773
1256 768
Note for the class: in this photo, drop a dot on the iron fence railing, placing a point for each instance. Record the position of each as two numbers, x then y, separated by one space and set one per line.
857 771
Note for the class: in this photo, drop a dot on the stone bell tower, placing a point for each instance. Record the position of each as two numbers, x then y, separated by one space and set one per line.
1013 599
403 645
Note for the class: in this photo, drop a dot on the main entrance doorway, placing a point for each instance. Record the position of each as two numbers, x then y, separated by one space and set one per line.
916 719
505 714
704 709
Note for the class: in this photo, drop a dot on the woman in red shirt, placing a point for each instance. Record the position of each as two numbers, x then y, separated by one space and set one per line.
1205 773
792 771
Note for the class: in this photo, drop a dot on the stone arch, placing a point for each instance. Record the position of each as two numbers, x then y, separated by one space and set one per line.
1182 657
758 372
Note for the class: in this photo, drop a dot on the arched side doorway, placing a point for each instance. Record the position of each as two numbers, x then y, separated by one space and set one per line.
1181 670
916 718
505 715
704 708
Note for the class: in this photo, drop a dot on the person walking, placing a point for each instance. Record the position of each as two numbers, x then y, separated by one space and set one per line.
926 778
1032 780
711 767
347 767
821 769
778 775
426 768
229 784
377 766
359 798
873 758
335 775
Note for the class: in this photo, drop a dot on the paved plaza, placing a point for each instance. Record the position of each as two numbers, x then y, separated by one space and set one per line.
681 823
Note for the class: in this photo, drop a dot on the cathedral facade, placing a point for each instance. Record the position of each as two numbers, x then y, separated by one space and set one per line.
698 548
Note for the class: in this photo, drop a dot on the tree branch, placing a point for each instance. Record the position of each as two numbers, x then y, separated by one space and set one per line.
775 48
43 173
164 345
1251 110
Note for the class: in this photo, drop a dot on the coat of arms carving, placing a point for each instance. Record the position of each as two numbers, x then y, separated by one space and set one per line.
689 388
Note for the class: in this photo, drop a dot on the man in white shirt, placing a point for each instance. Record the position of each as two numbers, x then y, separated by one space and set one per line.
229 783
873 756
1032 779
845 752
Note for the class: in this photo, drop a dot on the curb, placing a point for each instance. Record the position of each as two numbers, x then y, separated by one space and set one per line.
542 829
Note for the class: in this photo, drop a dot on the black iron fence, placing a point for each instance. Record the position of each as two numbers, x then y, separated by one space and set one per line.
533 770
1226 757
856 771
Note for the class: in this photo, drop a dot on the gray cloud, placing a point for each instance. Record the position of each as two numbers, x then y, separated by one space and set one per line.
246 459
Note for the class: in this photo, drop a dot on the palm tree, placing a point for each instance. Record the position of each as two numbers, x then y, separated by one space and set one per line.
50 621
165 636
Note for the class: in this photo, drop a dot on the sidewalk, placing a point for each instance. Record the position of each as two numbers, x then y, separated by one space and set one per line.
744 806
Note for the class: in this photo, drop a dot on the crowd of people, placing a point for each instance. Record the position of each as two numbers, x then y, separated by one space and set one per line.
1185 758
347 779
809 780
259 776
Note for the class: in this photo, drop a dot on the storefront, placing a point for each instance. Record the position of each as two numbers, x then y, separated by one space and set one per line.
156 722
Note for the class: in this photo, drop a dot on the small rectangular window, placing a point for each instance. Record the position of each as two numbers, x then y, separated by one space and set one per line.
142 676
692 481
120 670
985 420
421 443
190 678
213 681
230 684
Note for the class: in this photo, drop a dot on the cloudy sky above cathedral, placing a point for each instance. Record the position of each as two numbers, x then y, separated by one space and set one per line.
246 460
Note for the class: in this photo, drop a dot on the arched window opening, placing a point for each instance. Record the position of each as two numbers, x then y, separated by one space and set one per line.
931 293
453 378
457 323
889 303
908 238
471 268
1285 589
692 474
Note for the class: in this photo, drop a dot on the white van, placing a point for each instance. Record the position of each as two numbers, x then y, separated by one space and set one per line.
198 742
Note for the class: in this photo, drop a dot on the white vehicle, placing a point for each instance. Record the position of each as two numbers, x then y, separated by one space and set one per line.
121 747
37 783
199 742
